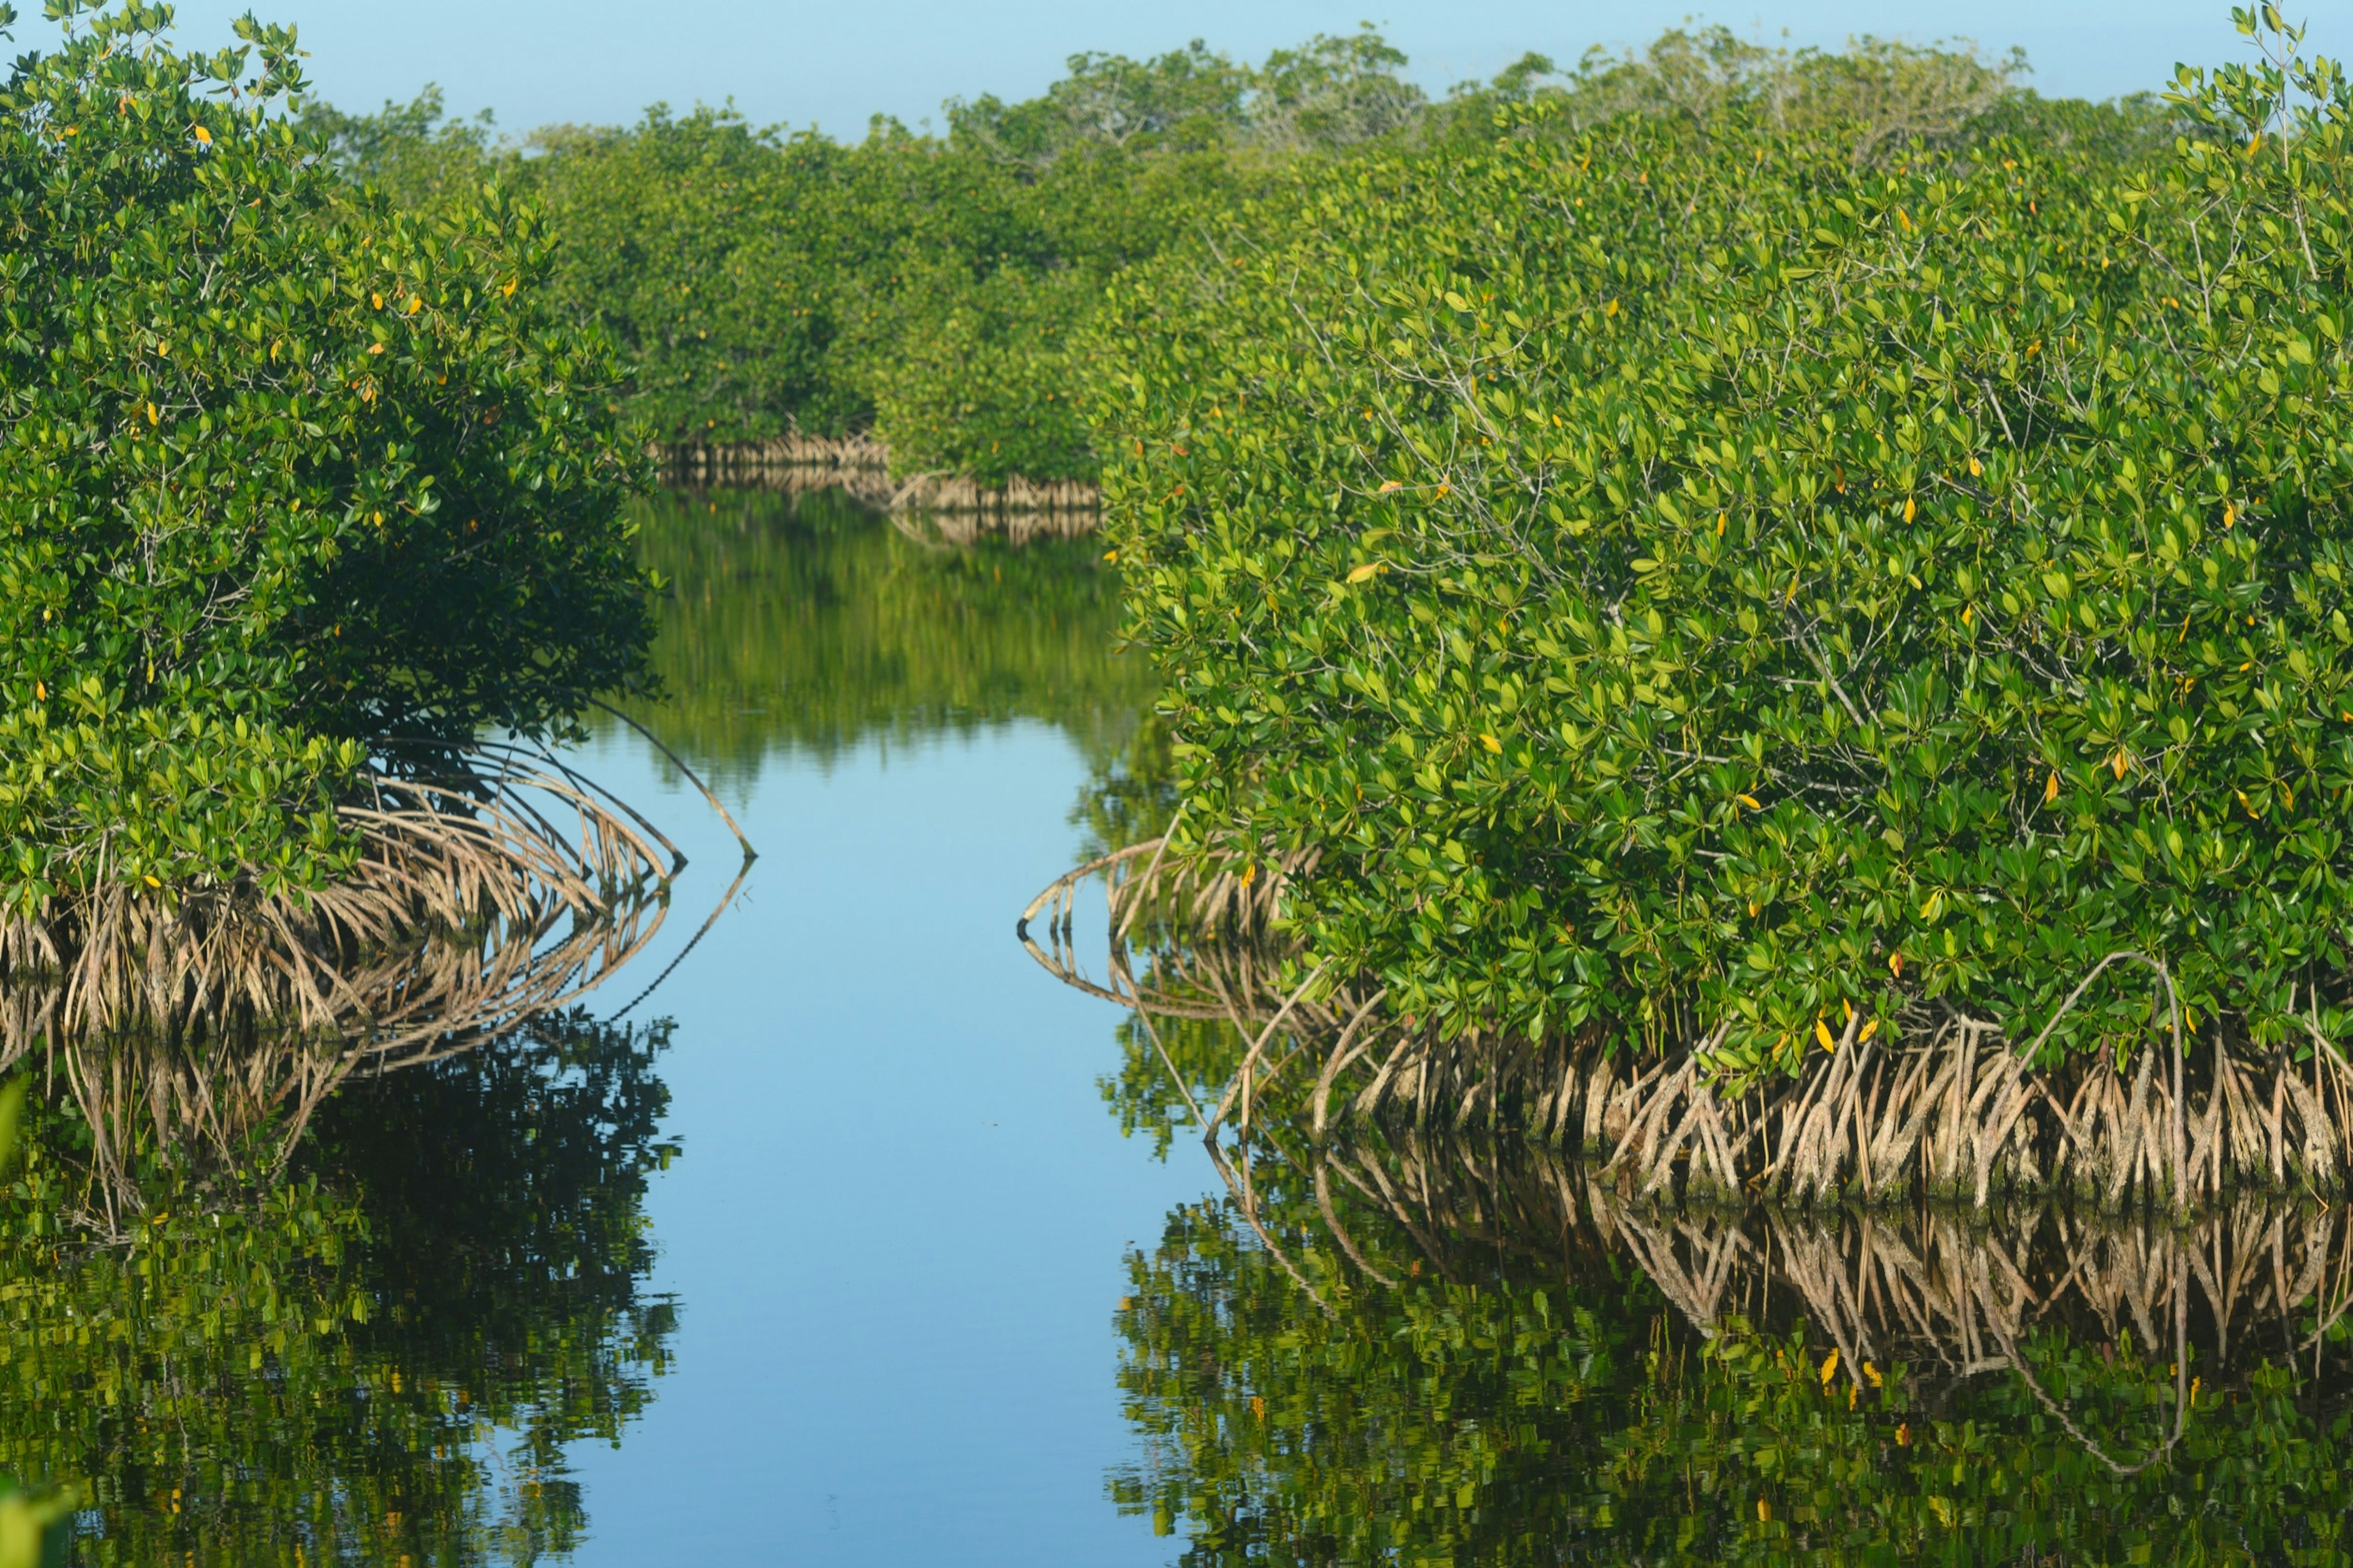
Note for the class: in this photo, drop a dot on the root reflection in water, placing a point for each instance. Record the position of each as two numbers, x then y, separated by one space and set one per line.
1437 1316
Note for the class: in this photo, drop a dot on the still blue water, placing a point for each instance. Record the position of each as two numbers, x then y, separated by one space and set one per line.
897 1231
901 1293
896 1235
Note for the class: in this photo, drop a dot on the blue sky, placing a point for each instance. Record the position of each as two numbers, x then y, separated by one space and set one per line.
835 63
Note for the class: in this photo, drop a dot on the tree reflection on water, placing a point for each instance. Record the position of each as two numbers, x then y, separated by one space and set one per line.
377 1361
1431 1351
1417 1347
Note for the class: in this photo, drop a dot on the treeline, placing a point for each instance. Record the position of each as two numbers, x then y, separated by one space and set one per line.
934 288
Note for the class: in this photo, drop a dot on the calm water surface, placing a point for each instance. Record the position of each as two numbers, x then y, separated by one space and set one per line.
896 1233
853 1241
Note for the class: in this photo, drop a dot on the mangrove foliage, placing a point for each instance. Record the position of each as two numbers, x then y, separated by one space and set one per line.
1729 581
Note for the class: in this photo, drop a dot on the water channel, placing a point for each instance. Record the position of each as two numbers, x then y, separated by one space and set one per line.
830 1230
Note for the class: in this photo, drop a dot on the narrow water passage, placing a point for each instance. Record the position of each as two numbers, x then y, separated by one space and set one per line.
896 1235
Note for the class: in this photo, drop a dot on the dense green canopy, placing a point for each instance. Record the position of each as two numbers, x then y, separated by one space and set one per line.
933 287
285 473
1710 571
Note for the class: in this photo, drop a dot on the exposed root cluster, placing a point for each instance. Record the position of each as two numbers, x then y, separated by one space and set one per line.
1948 1106
859 465
1952 1110
200 1015
1149 891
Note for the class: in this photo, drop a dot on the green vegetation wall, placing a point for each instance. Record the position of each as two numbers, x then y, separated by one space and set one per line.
286 474
761 283
1704 572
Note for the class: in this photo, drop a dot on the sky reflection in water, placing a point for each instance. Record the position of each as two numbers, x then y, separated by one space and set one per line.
832 1252
896 1233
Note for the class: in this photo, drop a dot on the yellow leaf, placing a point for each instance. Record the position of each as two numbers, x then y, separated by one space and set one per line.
2230 515
377 301
415 304
1389 485
1969 613
1871 1372
1896 964
1754 908
1719 525
1975 468
375 348
152 417
2119 762
1764 1511
1610 308
1904 1434
1491 744
163 348
1830 1043
1870 1028
1829 1366
1911 509
510 289
1443 487
203 136
1749 801
153 883
1368 569
1848 1019
40 692
1111 554
1249 875
2050 790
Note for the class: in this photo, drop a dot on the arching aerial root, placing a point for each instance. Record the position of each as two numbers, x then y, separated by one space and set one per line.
1952 1108
477 903
1953 1111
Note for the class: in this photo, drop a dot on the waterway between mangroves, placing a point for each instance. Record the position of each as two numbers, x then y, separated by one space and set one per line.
859 1240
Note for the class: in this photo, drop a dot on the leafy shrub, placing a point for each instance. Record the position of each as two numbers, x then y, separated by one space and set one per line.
715 258
760 282
286 474
1683 576
986 388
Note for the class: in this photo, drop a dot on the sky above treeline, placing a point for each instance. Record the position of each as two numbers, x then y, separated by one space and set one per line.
834 63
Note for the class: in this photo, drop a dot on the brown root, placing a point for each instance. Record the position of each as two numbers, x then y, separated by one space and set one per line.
951 507
1955 1108
196 1019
